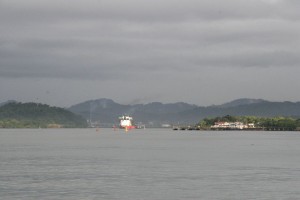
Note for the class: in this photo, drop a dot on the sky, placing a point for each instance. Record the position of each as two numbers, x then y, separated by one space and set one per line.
206 52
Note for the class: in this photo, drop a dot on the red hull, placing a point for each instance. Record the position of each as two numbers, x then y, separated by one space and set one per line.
128 127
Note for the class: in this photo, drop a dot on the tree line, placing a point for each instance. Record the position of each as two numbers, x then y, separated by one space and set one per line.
265 123
35 115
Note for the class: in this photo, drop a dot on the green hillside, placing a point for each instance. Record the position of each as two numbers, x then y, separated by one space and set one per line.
35 115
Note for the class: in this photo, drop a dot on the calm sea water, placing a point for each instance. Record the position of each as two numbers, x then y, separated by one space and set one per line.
151 164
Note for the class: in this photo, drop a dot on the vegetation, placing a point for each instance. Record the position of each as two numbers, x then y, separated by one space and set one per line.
35 115
266 123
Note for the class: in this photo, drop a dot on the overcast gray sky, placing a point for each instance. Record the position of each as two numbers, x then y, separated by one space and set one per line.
203 52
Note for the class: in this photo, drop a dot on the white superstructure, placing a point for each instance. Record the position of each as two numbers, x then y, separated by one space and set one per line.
126 121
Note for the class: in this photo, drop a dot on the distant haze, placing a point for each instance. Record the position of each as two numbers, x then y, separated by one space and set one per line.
139 51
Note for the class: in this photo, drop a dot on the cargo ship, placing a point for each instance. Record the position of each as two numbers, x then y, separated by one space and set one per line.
126 122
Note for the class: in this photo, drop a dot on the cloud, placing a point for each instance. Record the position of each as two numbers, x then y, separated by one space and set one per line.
121 41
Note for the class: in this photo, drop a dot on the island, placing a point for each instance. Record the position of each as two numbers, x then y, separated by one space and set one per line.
37 115
250 123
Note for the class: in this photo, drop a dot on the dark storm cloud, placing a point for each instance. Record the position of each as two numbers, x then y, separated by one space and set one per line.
108 35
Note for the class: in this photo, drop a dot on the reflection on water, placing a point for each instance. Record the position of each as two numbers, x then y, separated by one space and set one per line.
148 164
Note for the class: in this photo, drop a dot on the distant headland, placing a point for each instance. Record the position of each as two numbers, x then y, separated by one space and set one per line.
36 115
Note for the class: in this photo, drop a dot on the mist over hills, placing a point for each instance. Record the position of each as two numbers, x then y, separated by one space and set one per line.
156 113
7 102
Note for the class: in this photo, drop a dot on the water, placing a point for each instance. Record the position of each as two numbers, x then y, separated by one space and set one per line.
151 164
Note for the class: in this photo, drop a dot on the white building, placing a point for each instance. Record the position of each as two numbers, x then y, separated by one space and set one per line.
231 125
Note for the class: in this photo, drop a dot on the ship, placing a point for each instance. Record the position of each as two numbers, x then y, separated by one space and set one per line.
126 122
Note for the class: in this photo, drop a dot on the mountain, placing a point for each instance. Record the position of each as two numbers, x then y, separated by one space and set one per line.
263 109
34 115
106 111
240 102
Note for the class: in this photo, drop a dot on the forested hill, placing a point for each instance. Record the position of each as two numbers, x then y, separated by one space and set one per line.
34 115
108 111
